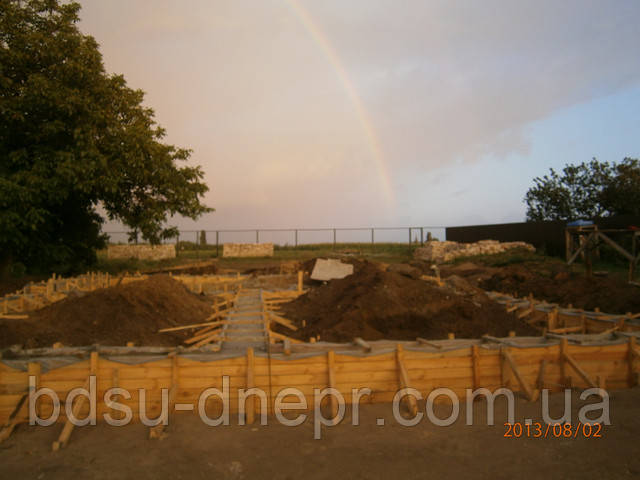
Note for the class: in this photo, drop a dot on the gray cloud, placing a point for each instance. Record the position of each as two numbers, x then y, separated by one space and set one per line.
247 87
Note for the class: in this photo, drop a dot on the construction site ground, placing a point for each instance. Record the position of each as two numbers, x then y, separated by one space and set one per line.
376 302
381 300
193 450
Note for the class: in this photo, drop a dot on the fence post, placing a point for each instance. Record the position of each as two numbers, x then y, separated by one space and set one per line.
296 239
257 236
372 237
217 252
334 238
422 236
178 243
197 247
409 235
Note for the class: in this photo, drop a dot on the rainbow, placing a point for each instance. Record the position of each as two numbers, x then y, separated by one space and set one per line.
329 52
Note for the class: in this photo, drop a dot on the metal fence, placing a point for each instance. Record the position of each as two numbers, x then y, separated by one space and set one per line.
297 237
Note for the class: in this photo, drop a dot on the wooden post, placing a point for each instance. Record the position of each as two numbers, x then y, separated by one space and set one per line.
250 406
540 380
475 359
505 372
552 319
35 369
403 377
568 241
588 259
173 392
563 352
300 279
333 401
115 383
631 356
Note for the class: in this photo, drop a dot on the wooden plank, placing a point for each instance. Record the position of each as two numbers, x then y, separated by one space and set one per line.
424 341
272 317
208 333
360 342
280 336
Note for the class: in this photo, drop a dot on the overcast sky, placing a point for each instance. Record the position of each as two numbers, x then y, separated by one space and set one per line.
362 112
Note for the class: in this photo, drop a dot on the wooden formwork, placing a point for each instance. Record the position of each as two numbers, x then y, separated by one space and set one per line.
458 365
556 319
37 295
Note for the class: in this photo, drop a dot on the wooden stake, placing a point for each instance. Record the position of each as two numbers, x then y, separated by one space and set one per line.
21 411
514 368
333 401
563 351
250 401
540 380
631 356
63 439
475 358
115 383
300 279
403 377
580 371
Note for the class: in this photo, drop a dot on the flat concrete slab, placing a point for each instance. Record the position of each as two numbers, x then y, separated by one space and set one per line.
330 269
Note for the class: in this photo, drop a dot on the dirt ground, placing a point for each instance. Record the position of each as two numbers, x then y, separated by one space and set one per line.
368 451
376 304
553 283
127 313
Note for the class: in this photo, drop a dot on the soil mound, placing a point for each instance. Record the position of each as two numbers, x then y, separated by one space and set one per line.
112 316
611 295
374 304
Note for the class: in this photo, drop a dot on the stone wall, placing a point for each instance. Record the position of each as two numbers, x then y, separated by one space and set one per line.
439 252
142 252
247 250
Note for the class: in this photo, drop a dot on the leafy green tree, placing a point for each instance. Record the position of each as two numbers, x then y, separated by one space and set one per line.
585 191
73 139
622 193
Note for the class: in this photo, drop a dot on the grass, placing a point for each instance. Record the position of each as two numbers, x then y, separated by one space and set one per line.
613 264
191 254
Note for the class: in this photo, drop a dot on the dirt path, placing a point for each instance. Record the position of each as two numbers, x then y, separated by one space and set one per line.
193 450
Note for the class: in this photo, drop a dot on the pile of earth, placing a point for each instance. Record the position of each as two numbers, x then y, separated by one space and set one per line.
610 294
133 312
376 304
553 282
